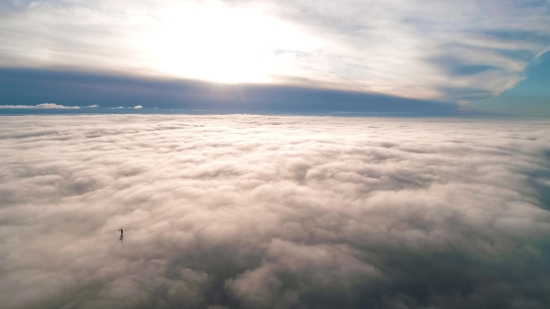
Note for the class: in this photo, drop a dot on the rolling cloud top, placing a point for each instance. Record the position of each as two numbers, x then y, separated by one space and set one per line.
273 212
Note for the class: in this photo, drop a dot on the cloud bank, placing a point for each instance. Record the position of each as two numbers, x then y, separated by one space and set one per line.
43 106
122 92
273 212
435 50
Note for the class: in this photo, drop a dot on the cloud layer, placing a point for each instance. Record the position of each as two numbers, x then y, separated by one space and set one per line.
273 212
45 106
437 50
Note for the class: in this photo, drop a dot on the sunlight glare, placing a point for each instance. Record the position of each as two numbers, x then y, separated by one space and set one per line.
217 43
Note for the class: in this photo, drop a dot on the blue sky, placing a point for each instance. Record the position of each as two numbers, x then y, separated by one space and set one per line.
291 56
530 97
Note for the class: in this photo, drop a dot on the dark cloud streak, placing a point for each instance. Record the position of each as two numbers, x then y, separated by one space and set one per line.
31 87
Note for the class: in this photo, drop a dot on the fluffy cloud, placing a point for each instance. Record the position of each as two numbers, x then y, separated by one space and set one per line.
273 212
43 106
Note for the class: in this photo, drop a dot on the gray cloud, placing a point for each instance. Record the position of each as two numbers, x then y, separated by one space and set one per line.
273 212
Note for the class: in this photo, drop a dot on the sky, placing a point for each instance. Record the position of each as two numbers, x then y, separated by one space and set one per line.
250 211
530 96
293 56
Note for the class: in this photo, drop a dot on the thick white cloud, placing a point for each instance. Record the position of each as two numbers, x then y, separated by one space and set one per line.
445 50
273 212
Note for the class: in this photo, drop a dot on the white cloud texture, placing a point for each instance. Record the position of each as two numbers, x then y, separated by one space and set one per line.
273 212
42 106
444 50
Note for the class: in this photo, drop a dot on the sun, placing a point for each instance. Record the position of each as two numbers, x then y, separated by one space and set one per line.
217 43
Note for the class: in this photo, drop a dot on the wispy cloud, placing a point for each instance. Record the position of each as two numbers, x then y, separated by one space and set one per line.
444 50
273 212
